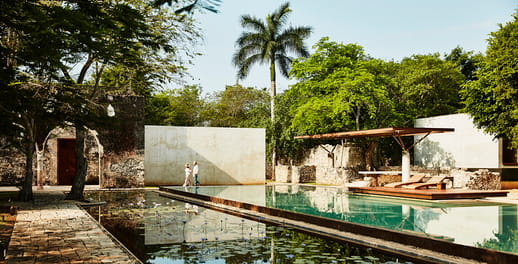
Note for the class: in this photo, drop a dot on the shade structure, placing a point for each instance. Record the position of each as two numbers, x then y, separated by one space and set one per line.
395 132
379 132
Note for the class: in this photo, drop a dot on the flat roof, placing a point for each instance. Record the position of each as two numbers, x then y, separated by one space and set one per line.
379 132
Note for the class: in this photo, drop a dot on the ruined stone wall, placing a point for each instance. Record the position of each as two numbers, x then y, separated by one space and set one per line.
334 156
50 156
482 179
115 153
12 167
295 174
326 164
123 143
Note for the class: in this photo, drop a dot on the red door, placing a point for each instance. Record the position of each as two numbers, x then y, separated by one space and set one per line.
66 160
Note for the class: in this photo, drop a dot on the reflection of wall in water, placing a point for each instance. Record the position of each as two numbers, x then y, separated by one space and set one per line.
469 225
253 194
200 224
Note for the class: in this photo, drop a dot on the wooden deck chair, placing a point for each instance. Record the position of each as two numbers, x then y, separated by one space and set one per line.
433 181
414 179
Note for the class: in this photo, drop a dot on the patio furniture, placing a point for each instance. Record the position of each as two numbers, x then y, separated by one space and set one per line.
437 181
414 179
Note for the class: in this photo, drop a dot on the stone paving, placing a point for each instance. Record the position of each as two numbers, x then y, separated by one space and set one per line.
52 230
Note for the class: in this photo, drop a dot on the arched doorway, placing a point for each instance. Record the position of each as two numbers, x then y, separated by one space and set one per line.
59 157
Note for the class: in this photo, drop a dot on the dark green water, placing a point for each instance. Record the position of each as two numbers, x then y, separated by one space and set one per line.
160 230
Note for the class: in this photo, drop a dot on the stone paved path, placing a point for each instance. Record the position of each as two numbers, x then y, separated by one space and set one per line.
52 230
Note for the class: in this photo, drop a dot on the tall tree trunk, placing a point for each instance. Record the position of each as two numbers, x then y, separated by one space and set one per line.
369 163
273 92
78 183
26 192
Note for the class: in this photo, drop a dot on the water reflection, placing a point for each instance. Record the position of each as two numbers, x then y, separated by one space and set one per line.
160 230
479 223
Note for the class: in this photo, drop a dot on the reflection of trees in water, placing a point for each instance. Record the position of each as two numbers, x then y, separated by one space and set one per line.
504 241
423 216
352 208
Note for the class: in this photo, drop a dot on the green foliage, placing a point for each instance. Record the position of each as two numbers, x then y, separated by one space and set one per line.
177 107
467 62
239 106
503 241
157 62
210 5
41 43
269 42
340 88
492 99
429 86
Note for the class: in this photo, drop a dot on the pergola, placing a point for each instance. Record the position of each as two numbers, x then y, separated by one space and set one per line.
395 132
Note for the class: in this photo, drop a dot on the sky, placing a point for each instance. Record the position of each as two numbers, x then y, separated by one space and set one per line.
386 29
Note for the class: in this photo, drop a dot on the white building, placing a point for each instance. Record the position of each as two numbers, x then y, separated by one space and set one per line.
467 147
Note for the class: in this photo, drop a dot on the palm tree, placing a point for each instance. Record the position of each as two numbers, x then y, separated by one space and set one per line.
269 42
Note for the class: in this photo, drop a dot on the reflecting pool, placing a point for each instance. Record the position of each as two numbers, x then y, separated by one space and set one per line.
467 222
160 230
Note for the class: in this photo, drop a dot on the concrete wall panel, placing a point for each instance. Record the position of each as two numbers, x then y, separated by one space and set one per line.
225 155
467 147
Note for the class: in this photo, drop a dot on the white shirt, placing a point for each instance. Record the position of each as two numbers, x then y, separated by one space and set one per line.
195 169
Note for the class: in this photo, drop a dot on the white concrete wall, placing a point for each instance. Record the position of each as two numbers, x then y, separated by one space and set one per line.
225 155
467 147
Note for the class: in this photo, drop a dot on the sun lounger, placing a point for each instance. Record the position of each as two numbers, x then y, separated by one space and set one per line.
414 179
433 181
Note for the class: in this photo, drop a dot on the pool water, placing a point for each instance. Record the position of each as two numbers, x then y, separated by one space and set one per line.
467 222
160 230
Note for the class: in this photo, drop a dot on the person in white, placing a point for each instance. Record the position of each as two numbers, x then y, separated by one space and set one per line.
195 171
188 171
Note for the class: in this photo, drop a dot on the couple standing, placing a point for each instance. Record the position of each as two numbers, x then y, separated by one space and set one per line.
194 172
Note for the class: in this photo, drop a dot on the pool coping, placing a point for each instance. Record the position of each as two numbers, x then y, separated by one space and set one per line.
415 247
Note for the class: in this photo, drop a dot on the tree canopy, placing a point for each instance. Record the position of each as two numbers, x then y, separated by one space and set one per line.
59 44
340 88
492 98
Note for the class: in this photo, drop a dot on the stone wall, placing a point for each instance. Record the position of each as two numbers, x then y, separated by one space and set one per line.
334 156
115 152
296 174
123 143
476 180
334 176
93 152
12 167
325 164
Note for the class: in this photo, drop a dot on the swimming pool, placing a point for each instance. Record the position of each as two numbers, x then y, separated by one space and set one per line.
160 230
466 222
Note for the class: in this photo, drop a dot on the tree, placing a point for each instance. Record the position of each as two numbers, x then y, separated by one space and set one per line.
33 41
32 111
269 42
340 88
238 106
428 86
210 5
467 62
155 66
42 41
492 98
177 107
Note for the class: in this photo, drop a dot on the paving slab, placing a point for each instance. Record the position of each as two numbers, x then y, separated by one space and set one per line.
53 230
